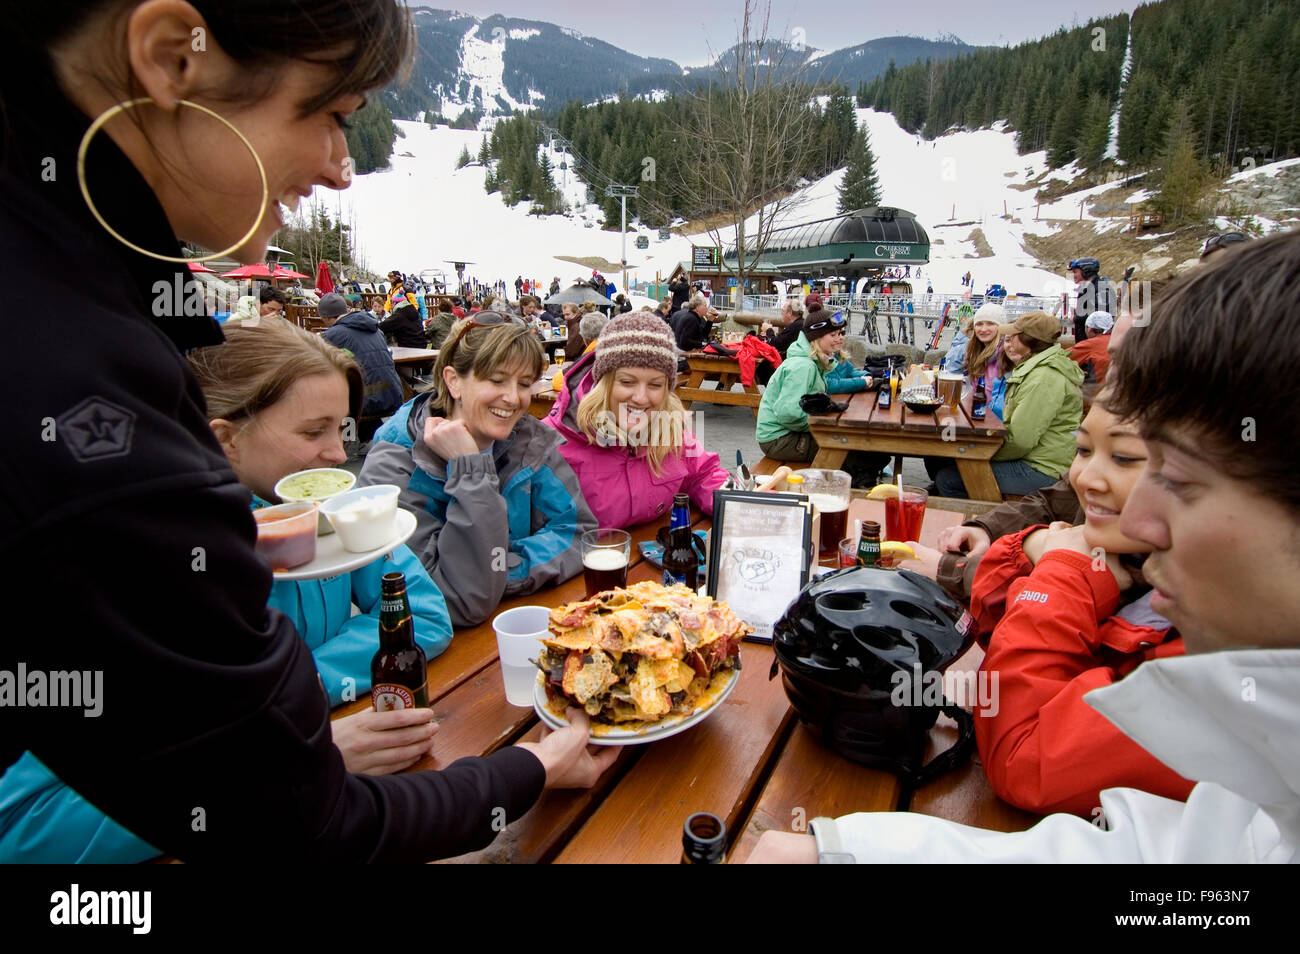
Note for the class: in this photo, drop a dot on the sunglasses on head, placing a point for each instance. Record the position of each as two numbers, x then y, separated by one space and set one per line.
835 322
482 319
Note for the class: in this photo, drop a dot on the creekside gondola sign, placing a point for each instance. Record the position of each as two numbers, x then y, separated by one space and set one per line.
895 251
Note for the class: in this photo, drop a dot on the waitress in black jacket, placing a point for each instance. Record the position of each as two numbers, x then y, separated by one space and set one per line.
129 540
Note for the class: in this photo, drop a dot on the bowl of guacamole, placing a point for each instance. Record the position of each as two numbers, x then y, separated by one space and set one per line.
315 485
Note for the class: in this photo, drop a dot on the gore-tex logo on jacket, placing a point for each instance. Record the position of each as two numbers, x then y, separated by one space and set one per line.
1030 596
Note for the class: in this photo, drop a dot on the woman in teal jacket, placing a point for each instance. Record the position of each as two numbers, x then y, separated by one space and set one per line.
278 397
812 365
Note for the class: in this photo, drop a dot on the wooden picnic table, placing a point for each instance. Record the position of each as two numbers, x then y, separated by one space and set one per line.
865 426
750 762
706 367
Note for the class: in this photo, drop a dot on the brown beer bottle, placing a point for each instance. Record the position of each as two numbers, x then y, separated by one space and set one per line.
398 677
704 839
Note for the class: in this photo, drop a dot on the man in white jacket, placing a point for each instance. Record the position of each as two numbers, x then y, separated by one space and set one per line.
1219 501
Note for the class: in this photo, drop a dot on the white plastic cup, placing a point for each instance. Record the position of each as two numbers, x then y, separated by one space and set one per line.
519 634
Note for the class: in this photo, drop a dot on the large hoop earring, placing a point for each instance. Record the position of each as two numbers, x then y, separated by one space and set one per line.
115 110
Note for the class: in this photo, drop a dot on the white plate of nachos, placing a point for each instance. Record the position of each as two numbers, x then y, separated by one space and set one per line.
645 662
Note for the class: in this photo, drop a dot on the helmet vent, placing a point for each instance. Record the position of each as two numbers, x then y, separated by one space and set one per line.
876 637
915 612
844 601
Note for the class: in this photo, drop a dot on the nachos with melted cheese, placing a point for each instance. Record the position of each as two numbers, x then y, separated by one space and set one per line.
640 654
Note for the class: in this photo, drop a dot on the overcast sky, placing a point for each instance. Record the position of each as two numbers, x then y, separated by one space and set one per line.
684 30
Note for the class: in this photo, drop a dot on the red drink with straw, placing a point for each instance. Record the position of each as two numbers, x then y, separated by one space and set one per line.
904 516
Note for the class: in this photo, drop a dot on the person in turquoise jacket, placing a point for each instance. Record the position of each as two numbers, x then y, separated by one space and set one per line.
42 820
812 365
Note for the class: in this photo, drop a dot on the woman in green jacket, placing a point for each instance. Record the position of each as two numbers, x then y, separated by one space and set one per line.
1042 410
813 364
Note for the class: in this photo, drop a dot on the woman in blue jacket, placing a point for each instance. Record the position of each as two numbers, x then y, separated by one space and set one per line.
277 397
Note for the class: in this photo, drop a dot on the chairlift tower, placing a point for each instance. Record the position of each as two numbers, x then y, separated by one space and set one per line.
622 192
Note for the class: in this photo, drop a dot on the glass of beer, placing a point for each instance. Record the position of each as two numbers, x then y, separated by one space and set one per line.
948 387
829 491
605 557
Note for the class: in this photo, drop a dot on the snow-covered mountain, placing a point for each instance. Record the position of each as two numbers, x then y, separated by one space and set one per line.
495 65
470 67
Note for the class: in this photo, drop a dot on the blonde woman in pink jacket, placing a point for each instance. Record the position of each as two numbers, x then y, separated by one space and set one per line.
627 436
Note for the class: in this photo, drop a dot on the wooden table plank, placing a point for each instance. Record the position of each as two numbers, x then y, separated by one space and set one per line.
810 781
535 838
538 835
713 766
413 356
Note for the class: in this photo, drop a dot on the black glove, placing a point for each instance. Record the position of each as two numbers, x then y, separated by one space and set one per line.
821 403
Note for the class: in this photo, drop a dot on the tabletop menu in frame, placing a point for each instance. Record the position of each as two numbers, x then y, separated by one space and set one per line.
759 554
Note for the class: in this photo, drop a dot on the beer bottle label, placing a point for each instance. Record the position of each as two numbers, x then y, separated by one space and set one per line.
393 606
389 696
868 552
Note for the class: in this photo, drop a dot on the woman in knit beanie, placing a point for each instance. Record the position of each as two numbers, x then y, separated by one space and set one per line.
627 436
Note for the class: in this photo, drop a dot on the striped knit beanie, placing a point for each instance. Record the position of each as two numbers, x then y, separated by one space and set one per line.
639 339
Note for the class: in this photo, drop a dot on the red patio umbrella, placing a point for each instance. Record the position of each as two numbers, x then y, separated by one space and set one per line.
250 271
261 271
324 284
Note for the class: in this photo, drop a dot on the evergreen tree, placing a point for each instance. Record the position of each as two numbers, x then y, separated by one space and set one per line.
463 159
1183 178
1138 141
1094 132
490 182
861 186
370 137
840 125
484 153
1063 140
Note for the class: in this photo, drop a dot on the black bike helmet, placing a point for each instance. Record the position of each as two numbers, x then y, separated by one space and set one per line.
851 648
1089 266
1217 243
